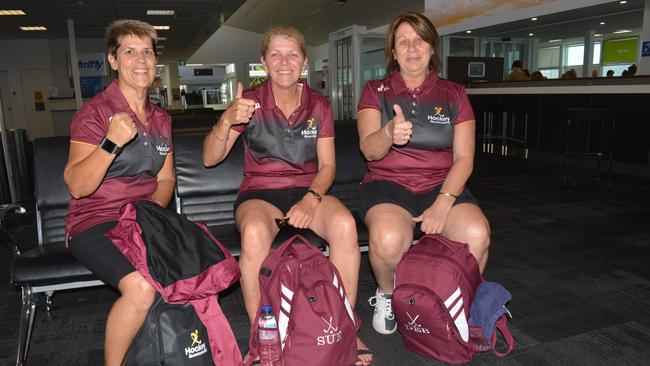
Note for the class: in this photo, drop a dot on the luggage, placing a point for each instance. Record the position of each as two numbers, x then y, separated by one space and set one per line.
172 334
435 286
188 267
317 323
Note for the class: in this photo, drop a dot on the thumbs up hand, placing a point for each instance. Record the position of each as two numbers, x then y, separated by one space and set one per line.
240 110
399 128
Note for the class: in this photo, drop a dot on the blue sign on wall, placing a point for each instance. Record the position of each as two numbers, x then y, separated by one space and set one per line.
645 51
90 86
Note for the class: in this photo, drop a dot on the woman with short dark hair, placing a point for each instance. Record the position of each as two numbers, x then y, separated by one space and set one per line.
120 152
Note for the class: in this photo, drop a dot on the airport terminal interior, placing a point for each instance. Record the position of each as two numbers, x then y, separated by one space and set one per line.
561 168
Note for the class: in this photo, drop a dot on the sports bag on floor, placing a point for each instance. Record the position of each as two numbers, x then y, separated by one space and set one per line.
172 334
188 267
435 283
316 322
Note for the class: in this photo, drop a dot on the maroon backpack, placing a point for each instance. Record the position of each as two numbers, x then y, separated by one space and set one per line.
435 283
316 322
186 265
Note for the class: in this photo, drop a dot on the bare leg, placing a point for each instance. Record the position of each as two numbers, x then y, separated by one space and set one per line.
334 223
391 235
467 224
126 316
255 221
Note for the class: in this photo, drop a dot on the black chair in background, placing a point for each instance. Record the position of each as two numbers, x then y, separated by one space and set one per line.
507 128
590 135
48 267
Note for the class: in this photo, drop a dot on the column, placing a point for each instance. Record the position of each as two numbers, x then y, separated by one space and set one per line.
588 61
644 61
173 86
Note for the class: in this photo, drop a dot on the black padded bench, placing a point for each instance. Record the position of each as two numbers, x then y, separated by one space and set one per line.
202 194
208 194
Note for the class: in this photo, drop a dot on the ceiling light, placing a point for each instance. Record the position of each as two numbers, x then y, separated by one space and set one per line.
555 40
602 23
161 12
34 28
161 27
622 31
160 46
12 12
622 2
160 65
468 31
190 65
161 39
598 35
531 34
533 19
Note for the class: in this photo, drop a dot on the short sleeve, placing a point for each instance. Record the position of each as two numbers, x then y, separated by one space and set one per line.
327 121
465 111
88 126
369 98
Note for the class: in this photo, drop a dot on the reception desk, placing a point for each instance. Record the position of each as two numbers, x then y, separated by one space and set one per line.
546 104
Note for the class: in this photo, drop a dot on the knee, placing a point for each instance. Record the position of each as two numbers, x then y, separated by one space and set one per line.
139 293
342 228
256 238
388 244
478 237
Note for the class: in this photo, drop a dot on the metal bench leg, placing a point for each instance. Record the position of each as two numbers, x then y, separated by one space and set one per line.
26 324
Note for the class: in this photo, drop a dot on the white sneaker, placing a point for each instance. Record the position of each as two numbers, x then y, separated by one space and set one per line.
383 319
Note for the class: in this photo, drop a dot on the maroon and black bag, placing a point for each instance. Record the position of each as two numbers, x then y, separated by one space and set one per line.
435 283
316 322
186 265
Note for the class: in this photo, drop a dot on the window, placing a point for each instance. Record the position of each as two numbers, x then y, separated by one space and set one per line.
575 54
550 73
596 60
548 57
461 46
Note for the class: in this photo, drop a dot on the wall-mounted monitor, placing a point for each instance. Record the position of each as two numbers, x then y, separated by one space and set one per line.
465 70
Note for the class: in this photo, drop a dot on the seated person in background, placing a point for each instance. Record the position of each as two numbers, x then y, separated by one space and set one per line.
625 73
570 74
594 73
417 133
537 75
109 136
610 73
517 72
289 165
631 70
527 73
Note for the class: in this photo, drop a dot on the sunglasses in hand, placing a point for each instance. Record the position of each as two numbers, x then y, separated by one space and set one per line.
282 223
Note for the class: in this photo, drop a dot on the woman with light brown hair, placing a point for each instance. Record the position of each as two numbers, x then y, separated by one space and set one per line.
417 132
289 165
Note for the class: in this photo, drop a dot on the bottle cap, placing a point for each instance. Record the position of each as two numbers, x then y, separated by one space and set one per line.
266 308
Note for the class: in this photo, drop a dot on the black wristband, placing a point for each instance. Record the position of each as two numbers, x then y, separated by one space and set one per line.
316 194
110 147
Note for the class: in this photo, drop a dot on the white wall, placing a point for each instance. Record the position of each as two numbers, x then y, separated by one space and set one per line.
20 55
230 45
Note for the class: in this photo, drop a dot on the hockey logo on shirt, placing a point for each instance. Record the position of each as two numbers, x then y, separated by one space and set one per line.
197 348
438 117
163 148
310 131
332 333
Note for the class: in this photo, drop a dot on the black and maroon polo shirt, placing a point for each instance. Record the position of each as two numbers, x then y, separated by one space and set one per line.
434 108
132 175
280 152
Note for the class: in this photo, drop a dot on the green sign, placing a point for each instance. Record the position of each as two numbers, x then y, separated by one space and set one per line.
623 50
181 63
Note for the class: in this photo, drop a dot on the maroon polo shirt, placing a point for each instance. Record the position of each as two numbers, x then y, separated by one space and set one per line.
434 108
281 152
132 174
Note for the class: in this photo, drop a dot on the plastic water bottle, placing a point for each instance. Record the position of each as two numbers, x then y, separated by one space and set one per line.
270 351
